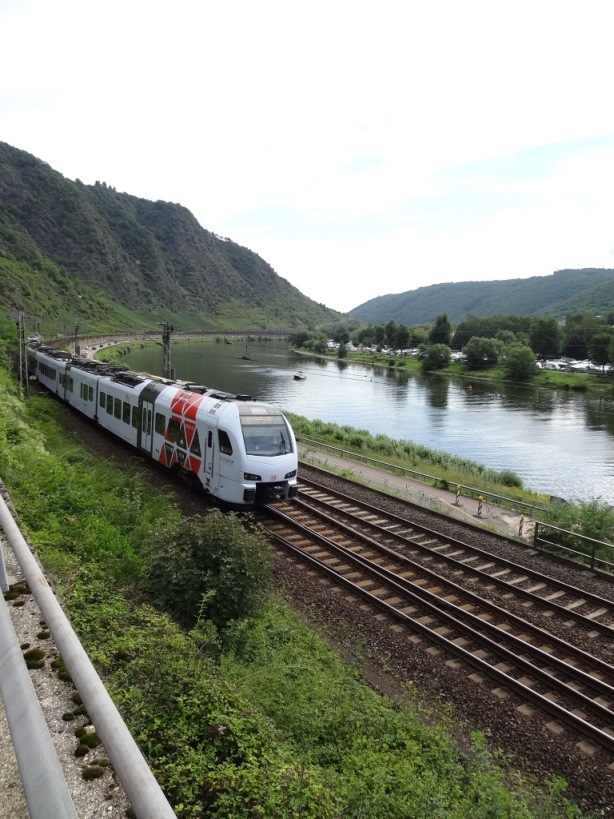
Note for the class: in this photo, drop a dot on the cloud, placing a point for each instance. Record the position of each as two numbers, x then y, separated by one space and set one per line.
361 149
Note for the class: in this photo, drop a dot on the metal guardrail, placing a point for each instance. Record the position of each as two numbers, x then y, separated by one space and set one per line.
421 476
142 789
44 785
598 554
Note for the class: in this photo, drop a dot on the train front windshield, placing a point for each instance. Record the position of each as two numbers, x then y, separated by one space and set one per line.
265 430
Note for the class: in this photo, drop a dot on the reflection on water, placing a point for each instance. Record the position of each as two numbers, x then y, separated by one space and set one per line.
561 443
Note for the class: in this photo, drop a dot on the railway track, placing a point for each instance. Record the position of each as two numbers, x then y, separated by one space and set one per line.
534 638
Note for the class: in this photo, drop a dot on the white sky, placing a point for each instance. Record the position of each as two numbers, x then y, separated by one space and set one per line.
361 148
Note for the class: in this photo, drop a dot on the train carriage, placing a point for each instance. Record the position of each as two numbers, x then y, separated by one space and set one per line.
242 452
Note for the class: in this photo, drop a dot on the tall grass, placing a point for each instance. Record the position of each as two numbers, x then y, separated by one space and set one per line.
444 467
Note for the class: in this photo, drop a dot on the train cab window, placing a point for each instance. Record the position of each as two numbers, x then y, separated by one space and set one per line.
117 408
160 423
224 442
110 404
103 399
126 412
265 431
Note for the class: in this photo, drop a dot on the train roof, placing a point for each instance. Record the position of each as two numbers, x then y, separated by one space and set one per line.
122 375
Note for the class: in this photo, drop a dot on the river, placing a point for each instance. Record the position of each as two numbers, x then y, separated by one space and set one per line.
559 442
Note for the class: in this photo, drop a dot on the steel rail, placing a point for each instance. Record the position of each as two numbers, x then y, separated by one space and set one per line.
587 729
492 579
562 645
139 783
590 597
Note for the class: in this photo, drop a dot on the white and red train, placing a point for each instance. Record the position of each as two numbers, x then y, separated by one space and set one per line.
243 452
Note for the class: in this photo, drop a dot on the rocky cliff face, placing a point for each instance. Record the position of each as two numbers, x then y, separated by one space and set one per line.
139 253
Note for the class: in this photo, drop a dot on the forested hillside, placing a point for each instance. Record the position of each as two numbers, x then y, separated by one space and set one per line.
121 262
556 295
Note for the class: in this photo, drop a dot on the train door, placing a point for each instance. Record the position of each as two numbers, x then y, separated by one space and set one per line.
145 429
211 465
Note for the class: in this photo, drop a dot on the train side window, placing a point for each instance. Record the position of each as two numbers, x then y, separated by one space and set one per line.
195 445
160 423
126 412
210 439
117 408
90 393
110 404
149 422
103 399
136 417
71 388
174 431
224 442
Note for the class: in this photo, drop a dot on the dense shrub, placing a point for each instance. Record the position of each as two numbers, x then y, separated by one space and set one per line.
213 567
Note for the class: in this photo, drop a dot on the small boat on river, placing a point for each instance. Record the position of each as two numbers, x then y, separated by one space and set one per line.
299 376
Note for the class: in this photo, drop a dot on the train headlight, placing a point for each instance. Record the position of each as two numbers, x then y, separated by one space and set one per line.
249 476
290 474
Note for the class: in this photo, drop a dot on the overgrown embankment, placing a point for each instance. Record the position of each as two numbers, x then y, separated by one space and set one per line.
238 716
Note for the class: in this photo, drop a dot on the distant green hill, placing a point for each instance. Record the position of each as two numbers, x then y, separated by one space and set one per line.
117 262
562 292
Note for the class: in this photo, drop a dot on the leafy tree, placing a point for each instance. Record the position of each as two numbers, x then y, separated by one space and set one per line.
341 335
390 332
580 328
366 335
379 334
600 348
441 332
546 337
482 352
519 362
401 339
488 327
506 336
342 350
418 335
299 339
317 345
436 357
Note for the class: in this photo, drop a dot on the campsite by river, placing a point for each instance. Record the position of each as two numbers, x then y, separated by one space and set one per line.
560 442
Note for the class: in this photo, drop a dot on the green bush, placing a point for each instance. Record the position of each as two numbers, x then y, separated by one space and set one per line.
217 568
509 478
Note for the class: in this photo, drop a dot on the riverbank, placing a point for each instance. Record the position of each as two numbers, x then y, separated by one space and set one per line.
577 382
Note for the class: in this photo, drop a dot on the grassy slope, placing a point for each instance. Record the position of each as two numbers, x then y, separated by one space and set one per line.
253 731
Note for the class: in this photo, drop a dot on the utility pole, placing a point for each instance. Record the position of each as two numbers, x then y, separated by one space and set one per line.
23 352
76 335
167 330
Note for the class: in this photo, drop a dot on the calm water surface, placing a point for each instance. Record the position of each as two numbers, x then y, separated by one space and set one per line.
559 442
